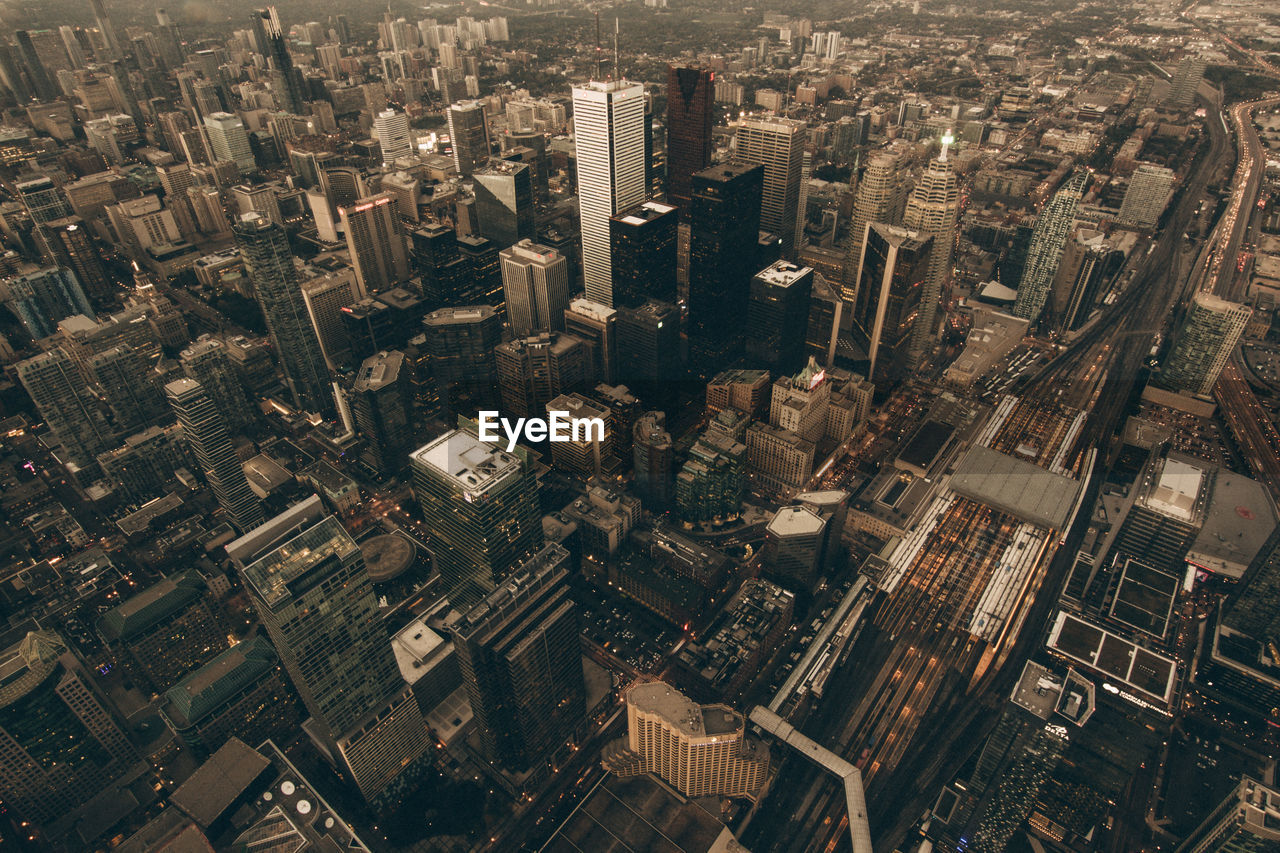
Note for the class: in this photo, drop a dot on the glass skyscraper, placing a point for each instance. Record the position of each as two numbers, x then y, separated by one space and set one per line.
1048 240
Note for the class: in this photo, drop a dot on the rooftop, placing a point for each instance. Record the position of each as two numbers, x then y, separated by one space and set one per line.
465 460
1239 518
1019 488
796 521
153 604
783 273
417 648
271 574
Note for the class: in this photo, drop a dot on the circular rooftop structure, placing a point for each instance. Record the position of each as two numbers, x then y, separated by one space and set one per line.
387 556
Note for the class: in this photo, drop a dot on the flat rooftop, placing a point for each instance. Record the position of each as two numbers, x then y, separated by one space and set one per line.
925 444
795 521
1144 597
783 273
1175 489
1239 518
468 462
1141 669
271 574
417 648
1019 488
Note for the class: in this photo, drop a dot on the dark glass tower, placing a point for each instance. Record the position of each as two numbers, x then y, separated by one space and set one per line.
690 107
292 87
778 317
642 240
380 400
264 246
522 664
894 265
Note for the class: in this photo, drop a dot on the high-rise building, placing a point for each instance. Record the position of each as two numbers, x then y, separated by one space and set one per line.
71 245
375 239
206 361
642 241
290 85
504 201
310 587
596 326
228 140
608 128
793 546
1246 821
43 200
1186 81
1203 342
649 349
1150 188
124 379
1084 266
461 342
724 233
165 631
535 282
777 144
206 432
653 458
1053 227
932 210
481 509
43 298
521 661
382 408
42 80
701 750
269 263
1254 609
894 264
103 21
391 129
535 370
76 423
690 110
778 316
325 296
469 135
713 480
877 199
63 747
587 453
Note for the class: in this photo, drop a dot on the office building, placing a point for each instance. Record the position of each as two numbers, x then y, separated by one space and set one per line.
588 453
724 235
325 295
690 111
1086 263
932 211
207 362
1246 821
642 241
596 326
1186 81
878 199
228 140
264 246
649 347
461 342
308 582
518 649
1254 609
381 404
700 750
43 200
608 125
1202 344
43 298
70 244
894 265
747 391
653 458
123 377
376 241
777 144
1149 191
166 631
78 427
242 693
391 129
778 316
289 84
206 432
504 201
469 136
793 546
63 746
713 480
535 284
481 509
535 370
1053 227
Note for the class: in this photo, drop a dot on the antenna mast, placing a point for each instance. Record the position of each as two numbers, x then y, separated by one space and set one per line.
598 46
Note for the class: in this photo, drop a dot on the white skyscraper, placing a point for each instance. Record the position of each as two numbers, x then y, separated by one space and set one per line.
229 141
1148 193
392 130
778 145
932 209
608 122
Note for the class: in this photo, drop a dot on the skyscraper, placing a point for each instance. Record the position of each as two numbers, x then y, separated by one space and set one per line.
124 378
690 109
62 745
1085 263
876 200
1045 252
1246 821
521 661
894 264
229 141
206 431
77 424
596 326
391 129
289 83
778 316
381 404
469 135
308 582
778 145
932 210
653 457
535 283
1150 188
724 235
649 355
504 201
1186 81
108 31
41 299
43 200
535 370
69 242
481 509
206 361
608 128
1203 342
375 239
269 263
461 342
642 243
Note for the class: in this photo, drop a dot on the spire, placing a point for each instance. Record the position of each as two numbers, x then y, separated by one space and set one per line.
947 139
